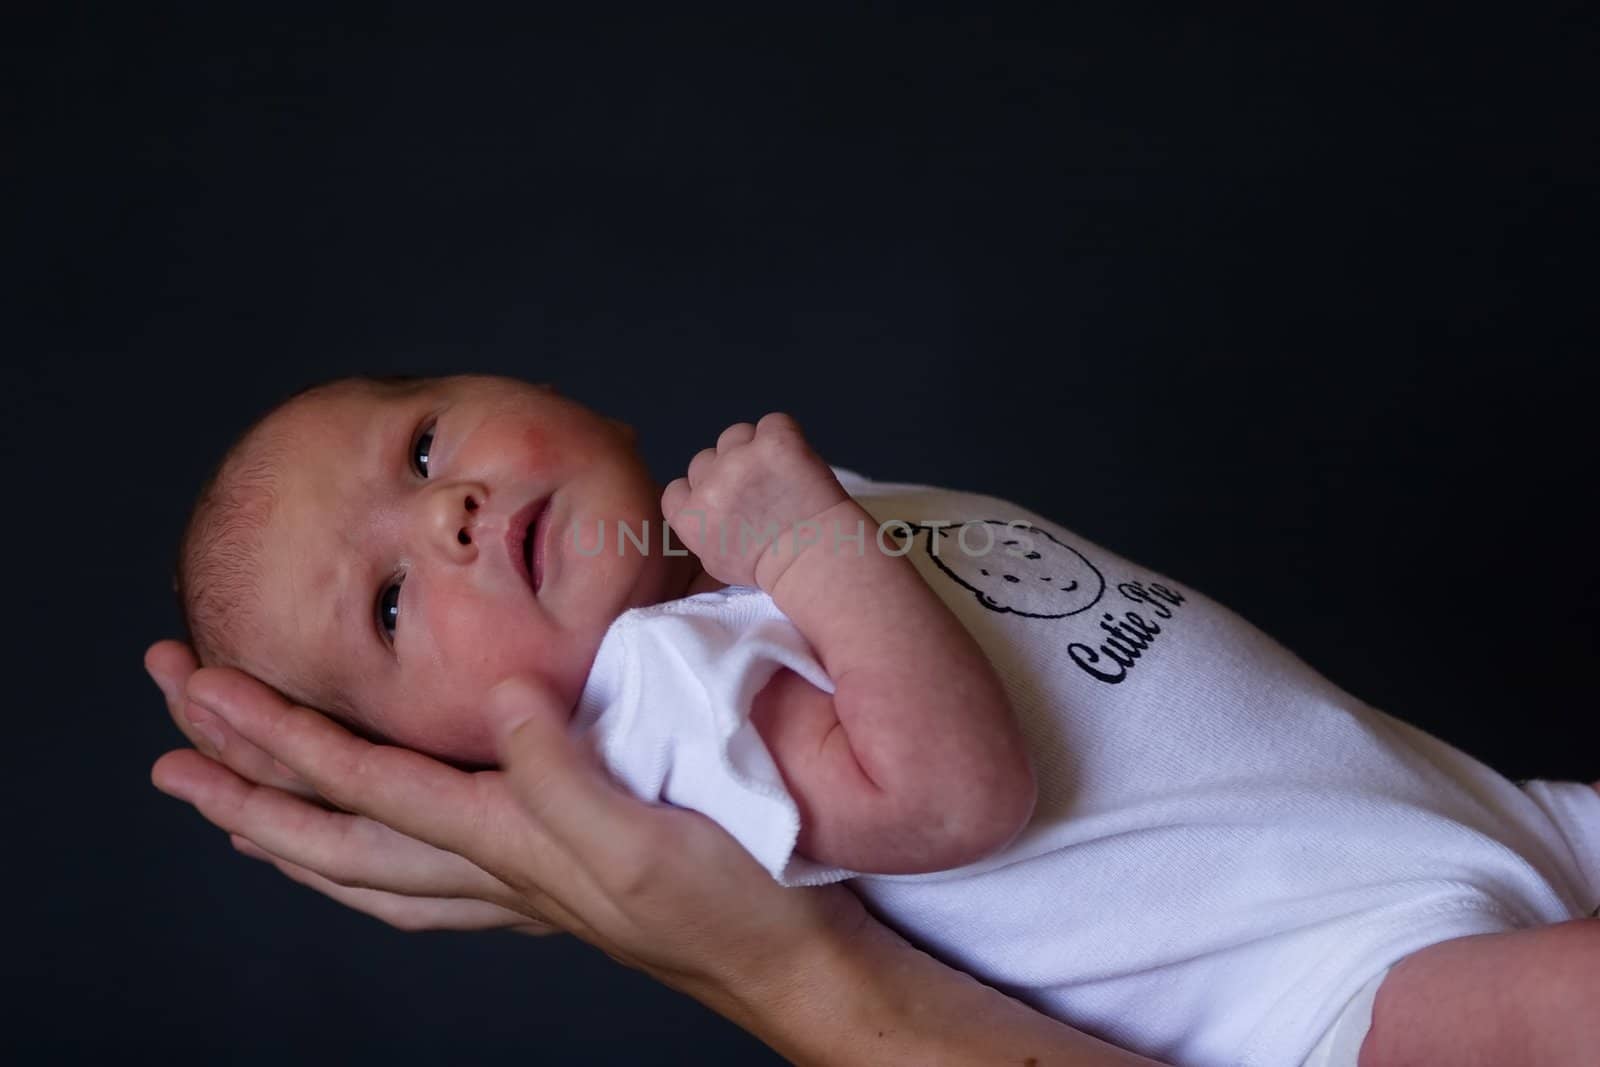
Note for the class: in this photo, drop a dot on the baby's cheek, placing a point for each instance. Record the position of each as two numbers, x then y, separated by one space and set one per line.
436 708
434 713
451 731
527 447
539 448
467 632
469 737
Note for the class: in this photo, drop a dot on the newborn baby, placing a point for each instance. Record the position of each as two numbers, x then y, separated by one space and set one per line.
389 551
1081 782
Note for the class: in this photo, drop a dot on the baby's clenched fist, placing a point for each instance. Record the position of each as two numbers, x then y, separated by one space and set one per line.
749 506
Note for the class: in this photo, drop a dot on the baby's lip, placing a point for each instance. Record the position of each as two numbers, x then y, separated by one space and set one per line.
523 525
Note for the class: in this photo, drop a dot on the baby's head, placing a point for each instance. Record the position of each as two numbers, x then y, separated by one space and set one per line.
388 550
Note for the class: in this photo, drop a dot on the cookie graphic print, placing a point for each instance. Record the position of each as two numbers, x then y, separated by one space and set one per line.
1017 568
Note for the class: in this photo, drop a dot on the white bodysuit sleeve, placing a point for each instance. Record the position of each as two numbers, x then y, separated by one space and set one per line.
667 708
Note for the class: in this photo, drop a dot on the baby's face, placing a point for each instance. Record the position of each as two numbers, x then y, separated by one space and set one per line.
394 569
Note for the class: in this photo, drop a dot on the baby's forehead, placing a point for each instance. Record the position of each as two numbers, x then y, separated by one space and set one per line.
335 403
321 429
301 455
300 559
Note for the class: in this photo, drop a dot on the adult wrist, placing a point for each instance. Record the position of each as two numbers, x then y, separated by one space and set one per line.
795 987
872 999
818 1005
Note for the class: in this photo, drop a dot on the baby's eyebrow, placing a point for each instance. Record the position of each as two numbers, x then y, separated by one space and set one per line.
340 567
340 608
327 598
380 462
347 638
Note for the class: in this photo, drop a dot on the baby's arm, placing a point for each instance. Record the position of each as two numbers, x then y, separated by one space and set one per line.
915 761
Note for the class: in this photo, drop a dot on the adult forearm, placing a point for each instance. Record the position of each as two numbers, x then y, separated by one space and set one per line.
873 1000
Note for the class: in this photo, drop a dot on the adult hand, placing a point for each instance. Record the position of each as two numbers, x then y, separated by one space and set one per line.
355 860
549 841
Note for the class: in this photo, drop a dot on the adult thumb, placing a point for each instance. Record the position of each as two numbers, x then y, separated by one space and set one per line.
517 705
546 768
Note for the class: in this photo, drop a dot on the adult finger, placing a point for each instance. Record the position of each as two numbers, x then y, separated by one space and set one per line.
170 664
474 816
403 912
566 791
416 795
351 850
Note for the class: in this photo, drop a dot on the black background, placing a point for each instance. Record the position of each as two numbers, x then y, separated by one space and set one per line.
1295 308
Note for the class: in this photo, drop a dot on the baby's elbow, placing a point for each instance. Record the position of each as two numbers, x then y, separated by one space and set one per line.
1024 799
987 816
1008 809
968 819
1008 785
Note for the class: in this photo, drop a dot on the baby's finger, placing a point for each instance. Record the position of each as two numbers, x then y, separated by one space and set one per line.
700 464
674 497
777 422
734 436
418 796
398 910
347 849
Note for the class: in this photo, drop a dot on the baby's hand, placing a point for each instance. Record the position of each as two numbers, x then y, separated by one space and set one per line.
751 504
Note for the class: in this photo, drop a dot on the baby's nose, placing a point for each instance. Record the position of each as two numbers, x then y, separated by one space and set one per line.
450 519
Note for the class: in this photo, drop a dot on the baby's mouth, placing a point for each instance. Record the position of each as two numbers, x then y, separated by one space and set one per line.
524 541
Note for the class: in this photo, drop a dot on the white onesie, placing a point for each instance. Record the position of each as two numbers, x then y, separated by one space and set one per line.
1227 848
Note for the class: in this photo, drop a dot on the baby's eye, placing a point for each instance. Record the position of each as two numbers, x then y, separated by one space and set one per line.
389 610
420 450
